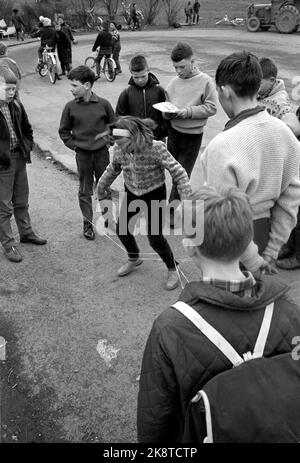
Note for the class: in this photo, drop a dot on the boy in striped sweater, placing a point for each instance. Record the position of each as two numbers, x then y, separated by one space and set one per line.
257 153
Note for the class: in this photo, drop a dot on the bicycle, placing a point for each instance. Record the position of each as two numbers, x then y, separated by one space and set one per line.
48 65
128 19
108 69
233 22
92 20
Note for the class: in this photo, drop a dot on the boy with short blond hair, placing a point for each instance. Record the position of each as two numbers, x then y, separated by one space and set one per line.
179 359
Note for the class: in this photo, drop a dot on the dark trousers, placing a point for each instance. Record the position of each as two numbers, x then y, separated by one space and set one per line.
14 193
196 18
294 239
116 54
156 239
184 147
65 58
261 232
90 166
98 60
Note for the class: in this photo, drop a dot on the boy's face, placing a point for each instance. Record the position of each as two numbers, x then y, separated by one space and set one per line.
266 85
7 91
225 100
184 67
140 78
79 90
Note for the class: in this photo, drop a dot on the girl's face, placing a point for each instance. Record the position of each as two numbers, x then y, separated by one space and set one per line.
123 143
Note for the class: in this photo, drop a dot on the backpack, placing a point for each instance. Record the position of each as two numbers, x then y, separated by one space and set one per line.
257 401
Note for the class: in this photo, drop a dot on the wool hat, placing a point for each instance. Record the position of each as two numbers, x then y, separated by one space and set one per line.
3 49
46 22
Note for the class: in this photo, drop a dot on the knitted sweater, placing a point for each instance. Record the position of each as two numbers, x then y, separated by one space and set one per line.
261 156
198 95
277 100
144 172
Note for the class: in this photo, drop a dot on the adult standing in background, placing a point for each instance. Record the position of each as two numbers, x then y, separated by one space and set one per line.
18 23
196 9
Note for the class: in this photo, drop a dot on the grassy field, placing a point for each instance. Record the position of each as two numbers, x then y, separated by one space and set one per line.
212 10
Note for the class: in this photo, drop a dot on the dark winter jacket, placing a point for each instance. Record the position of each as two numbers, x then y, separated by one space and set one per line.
23 131
48 36
179 360
137 101
104 40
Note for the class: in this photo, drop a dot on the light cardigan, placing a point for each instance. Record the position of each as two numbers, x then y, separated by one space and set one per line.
145 172
260 155
198 95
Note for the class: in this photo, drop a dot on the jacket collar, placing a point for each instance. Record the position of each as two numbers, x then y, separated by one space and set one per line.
242 116
152 80
267 289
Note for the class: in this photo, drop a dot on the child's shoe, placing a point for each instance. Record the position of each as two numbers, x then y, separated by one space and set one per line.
129 267
172 280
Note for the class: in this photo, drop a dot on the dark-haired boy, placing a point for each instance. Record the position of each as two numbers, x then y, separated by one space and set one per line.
82 119
142 93
194 93
104 41
274 97
257 153
16 143
179 359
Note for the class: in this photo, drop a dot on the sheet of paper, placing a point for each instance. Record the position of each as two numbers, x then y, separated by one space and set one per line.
166 107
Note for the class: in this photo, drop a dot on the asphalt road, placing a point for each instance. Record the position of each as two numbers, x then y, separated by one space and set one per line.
75 331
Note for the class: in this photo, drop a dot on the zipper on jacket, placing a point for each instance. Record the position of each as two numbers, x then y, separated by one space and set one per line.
145 109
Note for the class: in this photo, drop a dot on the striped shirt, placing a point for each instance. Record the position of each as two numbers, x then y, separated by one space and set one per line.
6 113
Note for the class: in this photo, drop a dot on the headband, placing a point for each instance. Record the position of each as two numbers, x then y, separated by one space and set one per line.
121 133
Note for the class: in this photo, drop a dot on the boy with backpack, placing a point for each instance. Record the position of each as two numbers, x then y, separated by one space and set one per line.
257 153
180 359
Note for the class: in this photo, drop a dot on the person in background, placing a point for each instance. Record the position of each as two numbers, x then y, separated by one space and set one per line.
116 47
134 18
81 120
67 49
189 13
273 96
104 40
6 61
196 9
16 143
48 36
18 23
141 94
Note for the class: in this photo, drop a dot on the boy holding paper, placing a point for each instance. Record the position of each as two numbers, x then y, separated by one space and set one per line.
193 93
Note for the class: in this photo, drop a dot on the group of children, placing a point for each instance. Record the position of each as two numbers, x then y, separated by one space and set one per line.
250 191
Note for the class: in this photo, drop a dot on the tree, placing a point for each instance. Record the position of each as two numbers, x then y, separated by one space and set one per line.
111 6
171 8
151 9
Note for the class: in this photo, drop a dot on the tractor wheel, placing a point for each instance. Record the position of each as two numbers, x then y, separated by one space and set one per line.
265 28
253 24
287 19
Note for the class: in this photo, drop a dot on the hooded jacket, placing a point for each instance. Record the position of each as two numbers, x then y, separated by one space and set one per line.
138 102
23 131
276 101
179 360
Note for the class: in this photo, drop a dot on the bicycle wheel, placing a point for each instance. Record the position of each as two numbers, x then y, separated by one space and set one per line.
43 70
109 69
90 62
52 70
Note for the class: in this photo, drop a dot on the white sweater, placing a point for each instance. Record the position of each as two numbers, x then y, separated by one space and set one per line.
198 95
261 156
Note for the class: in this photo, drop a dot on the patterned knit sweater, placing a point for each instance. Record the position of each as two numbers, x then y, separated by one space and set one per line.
144 172
261 156
277 100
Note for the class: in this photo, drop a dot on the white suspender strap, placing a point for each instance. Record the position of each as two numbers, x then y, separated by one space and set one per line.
263 332
210 332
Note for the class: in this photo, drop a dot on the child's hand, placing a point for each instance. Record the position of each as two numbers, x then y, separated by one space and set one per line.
170 116
182 114
269 266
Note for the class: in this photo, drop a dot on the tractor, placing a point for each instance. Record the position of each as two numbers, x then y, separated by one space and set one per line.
284 15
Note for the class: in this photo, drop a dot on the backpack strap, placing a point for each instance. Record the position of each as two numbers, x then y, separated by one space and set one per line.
259 348
210 332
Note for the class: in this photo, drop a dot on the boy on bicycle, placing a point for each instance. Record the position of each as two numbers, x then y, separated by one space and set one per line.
104 40
48 36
